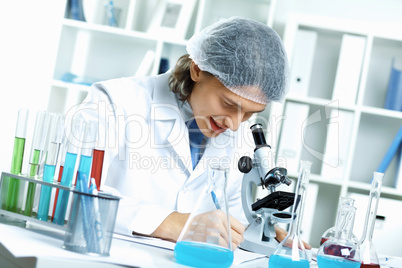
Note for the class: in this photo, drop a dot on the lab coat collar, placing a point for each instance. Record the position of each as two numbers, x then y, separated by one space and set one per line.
166 109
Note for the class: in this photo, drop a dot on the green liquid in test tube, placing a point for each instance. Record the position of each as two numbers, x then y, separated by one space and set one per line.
38 148
33 171
10 186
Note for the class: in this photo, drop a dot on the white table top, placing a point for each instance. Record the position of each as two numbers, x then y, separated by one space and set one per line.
35 246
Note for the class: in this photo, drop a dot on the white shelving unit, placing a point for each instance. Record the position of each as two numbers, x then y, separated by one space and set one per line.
373 127
94 51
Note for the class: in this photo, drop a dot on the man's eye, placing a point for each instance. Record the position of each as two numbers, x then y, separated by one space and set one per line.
228 104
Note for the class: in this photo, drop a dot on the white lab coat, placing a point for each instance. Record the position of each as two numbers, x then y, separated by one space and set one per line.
147 156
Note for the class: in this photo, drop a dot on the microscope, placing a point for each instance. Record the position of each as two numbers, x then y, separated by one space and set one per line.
262 215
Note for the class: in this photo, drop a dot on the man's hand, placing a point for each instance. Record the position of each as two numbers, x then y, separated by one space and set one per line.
210 225
281 234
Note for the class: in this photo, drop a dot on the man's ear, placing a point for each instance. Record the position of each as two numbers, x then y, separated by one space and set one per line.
195 72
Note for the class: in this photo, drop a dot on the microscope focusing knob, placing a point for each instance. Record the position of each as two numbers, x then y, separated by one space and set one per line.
245 164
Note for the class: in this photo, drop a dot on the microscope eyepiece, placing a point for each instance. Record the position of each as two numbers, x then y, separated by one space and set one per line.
258 135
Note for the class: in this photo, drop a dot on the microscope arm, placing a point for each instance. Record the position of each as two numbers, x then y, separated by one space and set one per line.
249 180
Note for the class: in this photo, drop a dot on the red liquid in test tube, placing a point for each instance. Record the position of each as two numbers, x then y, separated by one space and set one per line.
97 164
57 191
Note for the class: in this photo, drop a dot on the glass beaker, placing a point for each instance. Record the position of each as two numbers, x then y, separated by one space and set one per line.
205 240
341 250
330 233
291 252
368 254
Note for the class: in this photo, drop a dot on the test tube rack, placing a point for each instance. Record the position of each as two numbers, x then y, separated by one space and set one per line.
24 181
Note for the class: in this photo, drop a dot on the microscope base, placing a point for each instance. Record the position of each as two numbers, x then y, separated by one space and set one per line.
261 247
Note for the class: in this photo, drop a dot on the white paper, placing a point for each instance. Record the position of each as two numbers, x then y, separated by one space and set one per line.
240 255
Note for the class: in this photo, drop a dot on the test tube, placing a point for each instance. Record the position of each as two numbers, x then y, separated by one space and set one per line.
87 149
98 156
62 161
10 186
37 152
56 139
73 147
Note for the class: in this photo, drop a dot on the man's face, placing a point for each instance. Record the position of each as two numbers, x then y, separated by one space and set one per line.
216 108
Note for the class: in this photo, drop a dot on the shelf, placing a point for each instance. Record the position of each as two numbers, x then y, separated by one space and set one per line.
382 112
105 29
321 102
314 178
62 84
365 187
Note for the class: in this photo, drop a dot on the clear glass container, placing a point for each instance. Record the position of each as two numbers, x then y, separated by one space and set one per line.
368 254
341 250
206 238
330 233
291 252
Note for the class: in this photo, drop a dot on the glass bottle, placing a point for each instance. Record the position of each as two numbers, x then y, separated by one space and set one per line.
340 251
206 238
368 254
291 252
330 233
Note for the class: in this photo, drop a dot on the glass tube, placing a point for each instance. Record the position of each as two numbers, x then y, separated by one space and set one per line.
330 233
368 254
37 151
73 147
202 243
62 161
56 139
11 186
87 149
340 250
98 156
291 252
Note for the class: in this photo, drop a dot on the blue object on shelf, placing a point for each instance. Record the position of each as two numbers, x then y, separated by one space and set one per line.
393 100
76 10
393 148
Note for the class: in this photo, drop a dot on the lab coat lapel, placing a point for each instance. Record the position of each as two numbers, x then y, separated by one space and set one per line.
170 125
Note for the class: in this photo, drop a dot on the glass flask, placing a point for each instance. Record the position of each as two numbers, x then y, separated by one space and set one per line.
205 240
330 233
291 252
368 254
341 250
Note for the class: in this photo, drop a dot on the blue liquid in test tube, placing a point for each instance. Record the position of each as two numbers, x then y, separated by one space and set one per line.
56 135
202 254
45 192
85 165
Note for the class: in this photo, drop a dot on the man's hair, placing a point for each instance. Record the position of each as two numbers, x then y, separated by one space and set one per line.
180 79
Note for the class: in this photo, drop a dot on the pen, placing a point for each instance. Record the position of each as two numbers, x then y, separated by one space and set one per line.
87 213
97 224
215 199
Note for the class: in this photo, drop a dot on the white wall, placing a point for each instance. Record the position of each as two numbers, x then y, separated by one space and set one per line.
29 33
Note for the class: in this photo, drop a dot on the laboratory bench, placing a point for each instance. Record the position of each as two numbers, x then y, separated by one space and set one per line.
33 245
